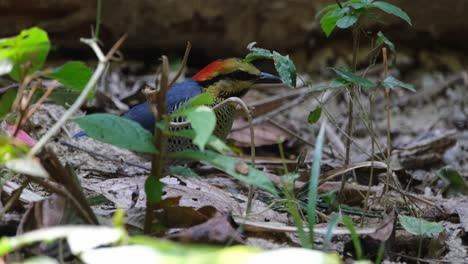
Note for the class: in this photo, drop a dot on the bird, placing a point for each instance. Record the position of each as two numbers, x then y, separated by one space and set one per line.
222 79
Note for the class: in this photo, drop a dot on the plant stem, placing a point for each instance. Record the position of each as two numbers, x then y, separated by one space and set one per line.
349 130
103 60
387 109
371 177
98 18
157 99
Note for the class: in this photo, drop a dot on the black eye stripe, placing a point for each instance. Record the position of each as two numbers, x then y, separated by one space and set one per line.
235 75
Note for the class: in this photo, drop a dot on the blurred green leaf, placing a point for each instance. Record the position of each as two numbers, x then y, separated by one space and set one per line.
28 166
457 184
230 166
118 131
391 83
257 54
9 151
6 66
332 223
73 75
285 68
382 39
199 100
420 227
354 236
31 45
328 22
182 171
392 10
314 116
203 121
347 21
352 78
314 181
63 97
213 142
6 102
153 189
118 219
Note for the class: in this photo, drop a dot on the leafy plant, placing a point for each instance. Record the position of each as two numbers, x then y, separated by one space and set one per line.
27 53
283 64
420 227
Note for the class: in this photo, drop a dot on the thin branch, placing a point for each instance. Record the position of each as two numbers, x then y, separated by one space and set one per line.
184 62
103 60
39 102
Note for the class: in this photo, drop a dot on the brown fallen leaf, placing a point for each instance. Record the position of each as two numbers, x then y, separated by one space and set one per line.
219 230
54 211
265 134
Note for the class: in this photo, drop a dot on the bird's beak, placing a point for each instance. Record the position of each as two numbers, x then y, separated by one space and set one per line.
268 78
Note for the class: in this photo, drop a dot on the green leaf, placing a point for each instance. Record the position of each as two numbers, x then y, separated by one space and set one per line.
391 83
328 22
230 165
382 39
201 99
285 68
182 171
393 10
9 151
153 189
257 54
213 142
457 184
28 166
340 12
31 45
118 219
347 21
63 97
337 83
354 236
367 2
6 102
332 223
73 75
203 121
314 181
420 227
353 78
314 116
118 131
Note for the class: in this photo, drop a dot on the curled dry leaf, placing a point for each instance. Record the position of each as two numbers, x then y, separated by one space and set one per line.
265 134
218 230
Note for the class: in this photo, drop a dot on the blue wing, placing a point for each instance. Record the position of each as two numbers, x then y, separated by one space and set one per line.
176 96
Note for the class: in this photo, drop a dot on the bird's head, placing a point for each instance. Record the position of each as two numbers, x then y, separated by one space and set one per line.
231 78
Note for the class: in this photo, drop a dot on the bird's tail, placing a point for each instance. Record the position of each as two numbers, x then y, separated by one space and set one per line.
80 134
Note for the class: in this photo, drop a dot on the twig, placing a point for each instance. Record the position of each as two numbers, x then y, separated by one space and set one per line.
184 62
158 98
387 110
39 103
103 60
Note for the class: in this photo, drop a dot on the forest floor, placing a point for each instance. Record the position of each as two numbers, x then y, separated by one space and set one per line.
429 135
